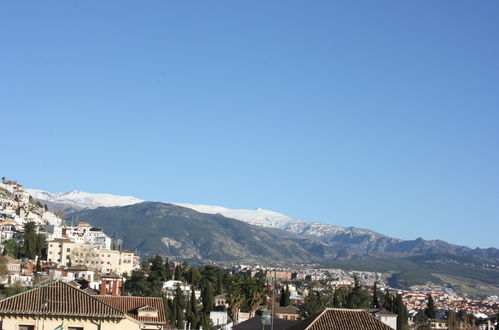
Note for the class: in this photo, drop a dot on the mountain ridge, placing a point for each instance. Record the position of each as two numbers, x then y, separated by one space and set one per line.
356 239
78 200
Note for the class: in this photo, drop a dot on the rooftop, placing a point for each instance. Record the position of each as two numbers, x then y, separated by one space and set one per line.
131 305
341 319
58 299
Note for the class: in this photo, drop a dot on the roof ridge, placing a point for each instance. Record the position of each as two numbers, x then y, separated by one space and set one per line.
345 309
95 298
69 286
138 297
29 290
316 318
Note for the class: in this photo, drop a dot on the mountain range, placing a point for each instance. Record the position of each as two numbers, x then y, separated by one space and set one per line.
348 241
203 233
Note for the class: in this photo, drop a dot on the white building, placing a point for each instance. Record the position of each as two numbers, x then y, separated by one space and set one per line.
221 320
169 287
85 233
21 196
53 232
66 252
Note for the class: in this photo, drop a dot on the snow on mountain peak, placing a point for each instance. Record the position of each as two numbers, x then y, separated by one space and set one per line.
259 217
83 200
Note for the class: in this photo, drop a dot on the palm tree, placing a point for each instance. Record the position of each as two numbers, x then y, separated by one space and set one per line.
236 298
256 295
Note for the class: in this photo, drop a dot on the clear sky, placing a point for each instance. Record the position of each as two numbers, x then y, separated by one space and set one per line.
375 114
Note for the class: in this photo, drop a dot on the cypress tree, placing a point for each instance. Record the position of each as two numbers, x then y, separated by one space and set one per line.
168 270
401 311
282 299
191 312
358 297
179 307
29 240
178 273
207 297
388 301
430 310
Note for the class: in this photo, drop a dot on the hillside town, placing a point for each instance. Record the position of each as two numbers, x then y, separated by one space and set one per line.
43 253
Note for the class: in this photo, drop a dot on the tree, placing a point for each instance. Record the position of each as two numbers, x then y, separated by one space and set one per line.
315 302
193 276
137 285
178 273
421 321
41 246
205 322
388 301
157 268
451 320
358 297
401 311
340 297
168 270
11 248
255 294
236 298
430 310
179 307
15 288
29 240
285 299
207 297
192 319
3 266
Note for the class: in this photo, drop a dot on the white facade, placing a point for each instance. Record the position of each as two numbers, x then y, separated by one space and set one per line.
220 320
53 232
65 252
21 196
170 286
85 233
388 319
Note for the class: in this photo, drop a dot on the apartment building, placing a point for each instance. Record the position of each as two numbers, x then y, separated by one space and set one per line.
66 253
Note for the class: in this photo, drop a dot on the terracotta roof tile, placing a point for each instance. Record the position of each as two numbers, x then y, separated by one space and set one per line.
58 299
341 319
130 305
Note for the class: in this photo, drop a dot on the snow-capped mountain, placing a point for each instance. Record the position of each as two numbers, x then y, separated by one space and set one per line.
272 219
78 200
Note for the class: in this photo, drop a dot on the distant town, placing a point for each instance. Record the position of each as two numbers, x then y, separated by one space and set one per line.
42 254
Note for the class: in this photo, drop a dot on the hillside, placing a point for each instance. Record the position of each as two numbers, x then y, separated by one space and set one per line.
322 240
170 230
174 231
467 275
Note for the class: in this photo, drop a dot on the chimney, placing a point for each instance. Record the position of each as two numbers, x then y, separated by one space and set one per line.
115 287
103 287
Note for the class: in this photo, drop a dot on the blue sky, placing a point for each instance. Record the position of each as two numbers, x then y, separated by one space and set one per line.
375 114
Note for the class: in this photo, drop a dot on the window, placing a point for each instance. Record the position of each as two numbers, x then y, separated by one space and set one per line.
26 327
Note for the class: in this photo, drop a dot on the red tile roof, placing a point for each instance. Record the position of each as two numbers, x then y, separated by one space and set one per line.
341 319
58 299
130 306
